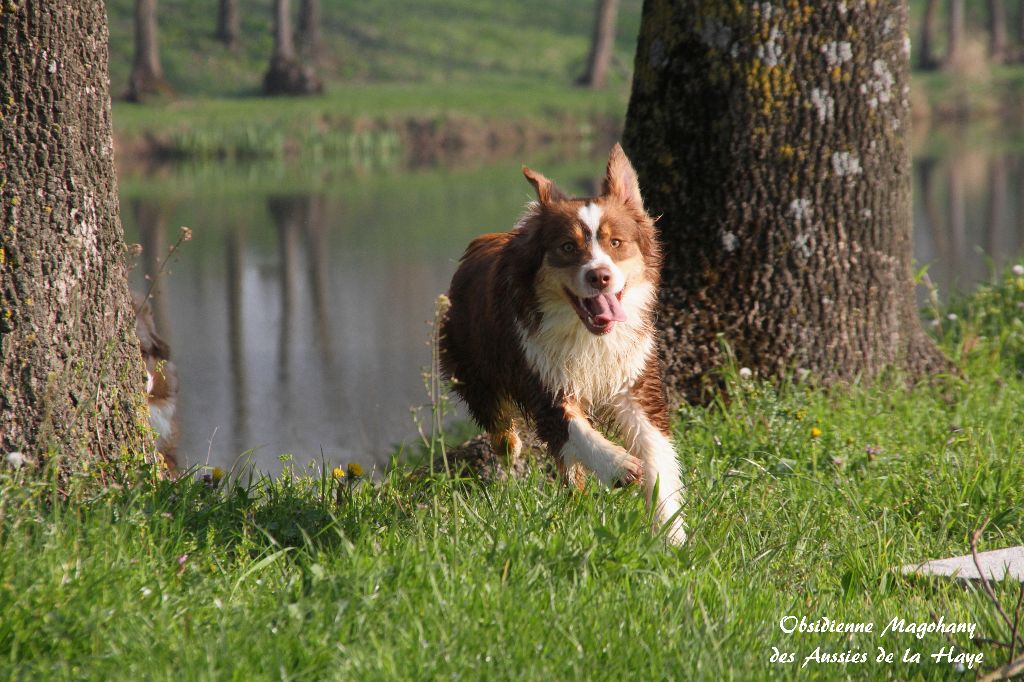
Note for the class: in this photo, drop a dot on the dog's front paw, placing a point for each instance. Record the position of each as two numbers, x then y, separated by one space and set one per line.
631 470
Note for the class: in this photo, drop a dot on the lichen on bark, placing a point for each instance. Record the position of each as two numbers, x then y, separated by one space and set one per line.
71 377
771 137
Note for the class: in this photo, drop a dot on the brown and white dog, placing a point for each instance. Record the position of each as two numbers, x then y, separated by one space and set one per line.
553 321
161 382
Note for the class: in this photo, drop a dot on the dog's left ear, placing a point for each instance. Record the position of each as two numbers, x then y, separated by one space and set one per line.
620 179
546 190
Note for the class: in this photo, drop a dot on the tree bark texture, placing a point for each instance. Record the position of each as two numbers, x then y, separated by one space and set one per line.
956 31
71 374
602 45
228 23
309 38
147 76
772 141
287 75
926 48
998 42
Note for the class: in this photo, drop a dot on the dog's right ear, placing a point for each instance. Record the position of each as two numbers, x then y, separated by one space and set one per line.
546 190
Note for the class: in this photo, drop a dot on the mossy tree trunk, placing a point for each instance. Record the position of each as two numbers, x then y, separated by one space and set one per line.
71 374
287 75
602 45
228 23
147 76
773 143
926 59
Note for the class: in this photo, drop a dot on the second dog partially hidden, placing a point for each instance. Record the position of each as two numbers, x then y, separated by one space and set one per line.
553 321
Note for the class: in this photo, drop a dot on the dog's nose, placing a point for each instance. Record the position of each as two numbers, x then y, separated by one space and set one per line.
599 277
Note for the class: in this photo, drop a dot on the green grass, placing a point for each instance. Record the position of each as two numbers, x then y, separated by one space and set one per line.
438 42
411 578
481 65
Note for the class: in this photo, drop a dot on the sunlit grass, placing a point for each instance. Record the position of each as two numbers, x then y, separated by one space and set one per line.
800 502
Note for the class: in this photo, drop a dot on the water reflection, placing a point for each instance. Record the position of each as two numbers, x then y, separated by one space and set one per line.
297 315
967 220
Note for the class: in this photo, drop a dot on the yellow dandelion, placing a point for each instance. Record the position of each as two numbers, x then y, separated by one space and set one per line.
355 470
815 432
217 474
337 473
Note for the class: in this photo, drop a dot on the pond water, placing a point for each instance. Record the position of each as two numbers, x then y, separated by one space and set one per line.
299 313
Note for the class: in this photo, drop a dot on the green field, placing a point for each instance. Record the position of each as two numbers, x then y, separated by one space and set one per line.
801 502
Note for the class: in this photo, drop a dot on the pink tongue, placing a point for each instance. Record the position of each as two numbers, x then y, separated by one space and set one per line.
605 308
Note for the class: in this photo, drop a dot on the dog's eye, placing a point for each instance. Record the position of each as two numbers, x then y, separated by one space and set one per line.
568 247
616 243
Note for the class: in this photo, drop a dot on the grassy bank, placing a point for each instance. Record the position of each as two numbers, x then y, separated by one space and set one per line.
801 502
377 121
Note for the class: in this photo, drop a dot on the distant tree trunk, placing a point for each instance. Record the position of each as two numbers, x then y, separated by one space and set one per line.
926 50
782 175
310 43
286 75
71 374
956 31
147 77
998 42
602 45
227 23
1020 27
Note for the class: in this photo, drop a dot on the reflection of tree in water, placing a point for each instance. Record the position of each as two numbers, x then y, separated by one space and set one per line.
288 214
151 219
969 215
234 251
995 213
316 257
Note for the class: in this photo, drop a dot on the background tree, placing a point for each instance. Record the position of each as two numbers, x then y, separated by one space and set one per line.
147 77
227 23
926 59
955 32
310 40
998 43
287 75
773 144
602 45
71 376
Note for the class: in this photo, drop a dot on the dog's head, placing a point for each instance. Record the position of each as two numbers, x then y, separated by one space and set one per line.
594 251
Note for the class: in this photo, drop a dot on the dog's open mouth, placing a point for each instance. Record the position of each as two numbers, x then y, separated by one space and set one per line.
598 313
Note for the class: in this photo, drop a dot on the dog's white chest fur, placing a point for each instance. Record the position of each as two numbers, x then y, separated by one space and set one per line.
589 368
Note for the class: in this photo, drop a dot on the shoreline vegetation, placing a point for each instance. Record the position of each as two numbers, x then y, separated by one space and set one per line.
416 125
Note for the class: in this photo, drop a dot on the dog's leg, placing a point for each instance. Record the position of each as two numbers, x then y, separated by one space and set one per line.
574 441
642 417
505 436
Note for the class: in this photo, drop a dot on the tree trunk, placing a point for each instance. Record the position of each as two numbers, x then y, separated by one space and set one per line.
286 75
602 45
309 38
998 42
71 375
227 23
774 147
956 32
926 50
147 77
1020 26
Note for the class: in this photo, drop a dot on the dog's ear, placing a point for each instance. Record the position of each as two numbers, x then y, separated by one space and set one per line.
546 191
620 179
